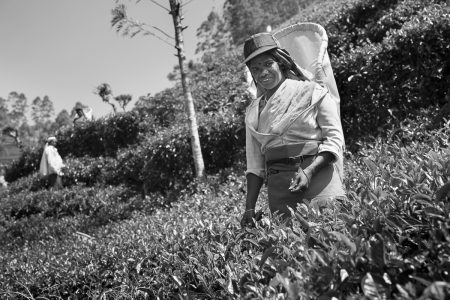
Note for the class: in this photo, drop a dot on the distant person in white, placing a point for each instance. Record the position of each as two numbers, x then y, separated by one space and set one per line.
83 115
3 183
52 164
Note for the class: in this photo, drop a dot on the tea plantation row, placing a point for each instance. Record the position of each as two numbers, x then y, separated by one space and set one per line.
391 238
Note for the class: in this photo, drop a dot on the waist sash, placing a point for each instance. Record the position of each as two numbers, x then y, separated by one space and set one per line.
292 151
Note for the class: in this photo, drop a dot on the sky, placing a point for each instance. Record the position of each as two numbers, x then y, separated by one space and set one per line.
64 49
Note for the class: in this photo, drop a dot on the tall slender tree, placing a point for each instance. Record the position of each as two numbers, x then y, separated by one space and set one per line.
63 119
130 27
42 110
4 113
18 109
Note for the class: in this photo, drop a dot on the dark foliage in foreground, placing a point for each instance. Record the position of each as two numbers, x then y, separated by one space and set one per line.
390 238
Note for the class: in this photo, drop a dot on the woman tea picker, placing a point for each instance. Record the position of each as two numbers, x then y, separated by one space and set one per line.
293 132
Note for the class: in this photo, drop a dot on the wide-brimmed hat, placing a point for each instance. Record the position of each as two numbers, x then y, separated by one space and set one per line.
257 44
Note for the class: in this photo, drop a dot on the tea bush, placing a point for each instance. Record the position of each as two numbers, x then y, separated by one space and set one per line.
413 60
220 86
353 23
346 28
393 19
102 137
27 163
161 162
86 171
389 58
390 238
164 161
29 216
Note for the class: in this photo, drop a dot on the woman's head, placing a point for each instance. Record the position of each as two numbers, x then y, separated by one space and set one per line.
51 141
266 71
265 45
258 44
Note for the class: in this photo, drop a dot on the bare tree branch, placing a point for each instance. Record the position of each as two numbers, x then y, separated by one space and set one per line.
141 29
131 27
162 6
166 34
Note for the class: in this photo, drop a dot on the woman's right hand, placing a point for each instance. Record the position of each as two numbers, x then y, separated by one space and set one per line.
300 182
248 218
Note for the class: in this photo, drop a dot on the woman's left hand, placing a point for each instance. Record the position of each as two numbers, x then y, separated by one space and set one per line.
300 182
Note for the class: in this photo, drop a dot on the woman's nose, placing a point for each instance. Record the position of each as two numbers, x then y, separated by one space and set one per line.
263 72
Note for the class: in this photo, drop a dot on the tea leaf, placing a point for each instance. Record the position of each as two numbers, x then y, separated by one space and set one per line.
443 192
371 165
421 280
422 196
177 280
266 254
302 221
377 250
433 211
372 289
436 290
251 242
344 239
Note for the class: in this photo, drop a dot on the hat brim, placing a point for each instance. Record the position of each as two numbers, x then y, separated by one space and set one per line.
259 51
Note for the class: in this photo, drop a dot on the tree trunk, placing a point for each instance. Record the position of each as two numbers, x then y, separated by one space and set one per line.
175 11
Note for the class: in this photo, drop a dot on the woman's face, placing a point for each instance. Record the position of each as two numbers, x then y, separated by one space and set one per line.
266 71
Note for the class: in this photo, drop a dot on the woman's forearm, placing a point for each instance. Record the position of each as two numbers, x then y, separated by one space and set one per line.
254 184
322 160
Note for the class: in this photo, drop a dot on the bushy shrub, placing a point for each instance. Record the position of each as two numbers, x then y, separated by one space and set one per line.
27 163
87 265
393 19
379 83
102 137
389 58
26 216
390 238
164 160
161 162
352 23
345 27
164 107
90 171
220 86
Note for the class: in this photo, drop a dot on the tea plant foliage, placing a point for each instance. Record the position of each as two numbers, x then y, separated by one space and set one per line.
133 222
